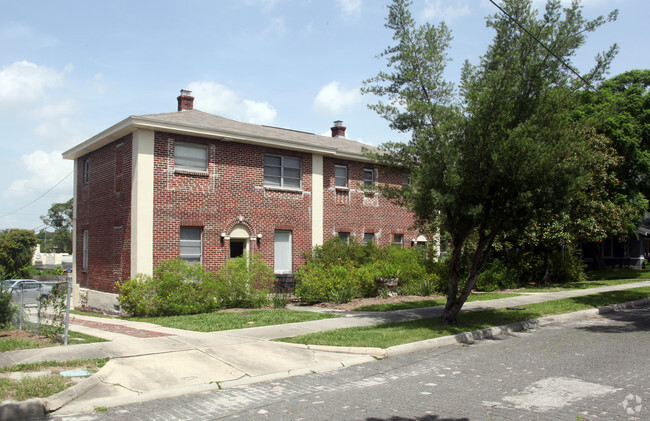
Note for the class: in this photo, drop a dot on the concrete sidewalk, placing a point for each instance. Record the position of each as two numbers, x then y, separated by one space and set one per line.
150 361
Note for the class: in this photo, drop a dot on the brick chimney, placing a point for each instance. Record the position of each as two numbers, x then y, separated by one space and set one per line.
339 129
185 100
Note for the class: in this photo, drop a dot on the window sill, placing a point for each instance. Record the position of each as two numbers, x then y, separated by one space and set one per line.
191 172
339 188
284 189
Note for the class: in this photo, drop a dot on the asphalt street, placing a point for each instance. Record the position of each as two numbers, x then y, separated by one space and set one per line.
592 369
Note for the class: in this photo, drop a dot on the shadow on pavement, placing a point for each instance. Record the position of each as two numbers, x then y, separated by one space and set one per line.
631 320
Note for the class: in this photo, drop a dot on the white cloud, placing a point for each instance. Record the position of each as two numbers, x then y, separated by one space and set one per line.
55 109
350 7
264 5
42 170
443 10
215 98
332 98
276 27
24 82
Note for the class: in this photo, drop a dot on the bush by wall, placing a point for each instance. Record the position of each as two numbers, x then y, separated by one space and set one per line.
178 287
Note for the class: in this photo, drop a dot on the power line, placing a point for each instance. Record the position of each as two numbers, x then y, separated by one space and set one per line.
39 197
565 64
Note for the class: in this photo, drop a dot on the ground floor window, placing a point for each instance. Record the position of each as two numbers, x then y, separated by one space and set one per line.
368 238
84 261
282 252
191 247
345 237
398 240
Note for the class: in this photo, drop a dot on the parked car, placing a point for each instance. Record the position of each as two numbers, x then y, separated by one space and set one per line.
31 290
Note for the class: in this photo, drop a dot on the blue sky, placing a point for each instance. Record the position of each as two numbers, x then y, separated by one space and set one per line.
70 69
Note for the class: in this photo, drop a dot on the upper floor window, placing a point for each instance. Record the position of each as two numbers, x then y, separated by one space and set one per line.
190 156
282 171
86 169
406 180
368 177
340 176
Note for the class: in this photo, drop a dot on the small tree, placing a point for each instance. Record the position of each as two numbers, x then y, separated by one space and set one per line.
503 153
59 218
16 252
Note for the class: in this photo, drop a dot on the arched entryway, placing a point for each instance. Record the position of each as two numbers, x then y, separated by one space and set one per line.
239 241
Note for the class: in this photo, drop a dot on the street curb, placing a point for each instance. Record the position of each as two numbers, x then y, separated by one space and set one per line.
56 401
30 409
207 387
477 335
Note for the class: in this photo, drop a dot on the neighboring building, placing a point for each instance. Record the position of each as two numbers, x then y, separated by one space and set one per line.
51 260
630 251
206 188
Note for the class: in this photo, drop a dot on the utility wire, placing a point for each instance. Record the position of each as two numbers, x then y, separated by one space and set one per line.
564 63
39 197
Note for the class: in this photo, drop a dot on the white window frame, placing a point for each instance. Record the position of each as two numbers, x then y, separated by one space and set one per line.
401 240
282 252
84 259
190 163
191 257
339 178
345 236
406 180
282 176
371 180
369 237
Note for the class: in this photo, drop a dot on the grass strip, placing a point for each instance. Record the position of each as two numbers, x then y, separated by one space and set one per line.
580 285
46 380
432 303
390 334
213 322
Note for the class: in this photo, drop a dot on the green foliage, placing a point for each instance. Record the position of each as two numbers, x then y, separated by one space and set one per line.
503 153
16 251
7 308
339 272
498 275
244 282
52 312
59 218
179 288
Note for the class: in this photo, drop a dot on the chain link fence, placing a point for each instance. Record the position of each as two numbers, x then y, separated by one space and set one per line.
42 305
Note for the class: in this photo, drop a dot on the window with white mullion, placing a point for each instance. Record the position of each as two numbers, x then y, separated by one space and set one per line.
341 176
282 171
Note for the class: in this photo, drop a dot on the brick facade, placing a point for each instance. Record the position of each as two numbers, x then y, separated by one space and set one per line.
229 197
104 210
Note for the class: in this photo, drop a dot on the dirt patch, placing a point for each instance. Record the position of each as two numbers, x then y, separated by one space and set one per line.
27 335
360 302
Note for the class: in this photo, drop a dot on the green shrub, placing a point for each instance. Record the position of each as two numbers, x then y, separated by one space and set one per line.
244 282
497 275
566 266
7 308
177 287
336 251
333 283
423 286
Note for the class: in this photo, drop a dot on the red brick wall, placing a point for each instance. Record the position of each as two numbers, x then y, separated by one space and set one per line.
103 208
358 212
230 190
233 187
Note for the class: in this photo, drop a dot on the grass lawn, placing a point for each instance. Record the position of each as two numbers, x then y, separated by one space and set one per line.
239 319
386 335
13 339
592 283
39 380
432 303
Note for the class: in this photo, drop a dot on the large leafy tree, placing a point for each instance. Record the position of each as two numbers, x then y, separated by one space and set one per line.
16 251
503 152
58 218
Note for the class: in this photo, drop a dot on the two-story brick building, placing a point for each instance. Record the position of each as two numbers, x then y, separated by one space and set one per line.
206 188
